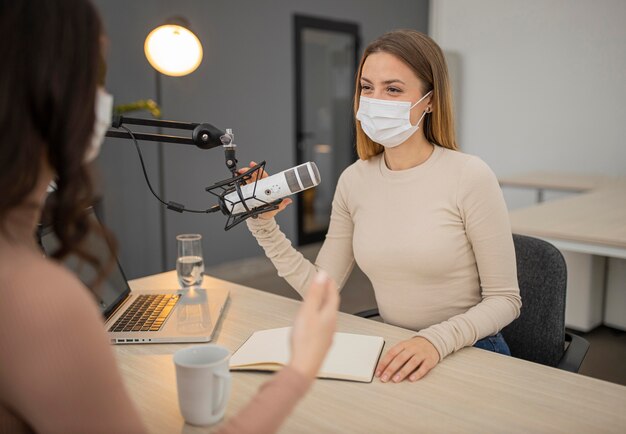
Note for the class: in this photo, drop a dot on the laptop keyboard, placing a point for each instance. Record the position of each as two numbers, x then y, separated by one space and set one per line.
146 314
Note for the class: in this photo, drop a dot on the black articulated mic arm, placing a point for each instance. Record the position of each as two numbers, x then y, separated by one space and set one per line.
204 136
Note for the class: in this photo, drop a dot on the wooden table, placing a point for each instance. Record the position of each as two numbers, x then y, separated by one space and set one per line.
558 181
470 391
593 223
590 230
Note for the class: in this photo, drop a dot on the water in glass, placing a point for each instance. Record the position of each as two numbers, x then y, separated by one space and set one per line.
190 269
189 263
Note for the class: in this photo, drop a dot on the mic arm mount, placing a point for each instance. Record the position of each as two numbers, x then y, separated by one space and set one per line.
204 136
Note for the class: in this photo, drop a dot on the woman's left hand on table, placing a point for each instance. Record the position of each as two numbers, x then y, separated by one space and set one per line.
410 359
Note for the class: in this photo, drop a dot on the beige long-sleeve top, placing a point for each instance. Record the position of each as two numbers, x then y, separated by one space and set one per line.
435 241
57 371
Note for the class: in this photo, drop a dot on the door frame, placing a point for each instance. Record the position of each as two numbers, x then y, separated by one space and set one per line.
302 22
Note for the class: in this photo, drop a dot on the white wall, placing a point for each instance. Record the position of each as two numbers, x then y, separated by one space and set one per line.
542 83
245 82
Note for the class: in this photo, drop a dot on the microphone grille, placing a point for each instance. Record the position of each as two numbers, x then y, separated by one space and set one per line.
316 173
305 176
292 181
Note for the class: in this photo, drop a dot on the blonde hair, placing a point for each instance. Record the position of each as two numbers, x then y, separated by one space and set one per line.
426 59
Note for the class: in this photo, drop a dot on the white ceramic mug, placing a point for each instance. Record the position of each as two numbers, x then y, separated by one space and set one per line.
203 383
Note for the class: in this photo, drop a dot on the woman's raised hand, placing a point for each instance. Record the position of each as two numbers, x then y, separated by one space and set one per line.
281 206
314 326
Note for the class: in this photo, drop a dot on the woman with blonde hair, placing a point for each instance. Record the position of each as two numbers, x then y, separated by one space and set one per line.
426 223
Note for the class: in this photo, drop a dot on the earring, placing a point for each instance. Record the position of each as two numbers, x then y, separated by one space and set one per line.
429 109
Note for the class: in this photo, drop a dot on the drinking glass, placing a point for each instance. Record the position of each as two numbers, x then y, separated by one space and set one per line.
189 263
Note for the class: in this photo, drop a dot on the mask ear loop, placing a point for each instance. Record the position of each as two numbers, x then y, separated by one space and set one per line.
422 98
428 109
420 119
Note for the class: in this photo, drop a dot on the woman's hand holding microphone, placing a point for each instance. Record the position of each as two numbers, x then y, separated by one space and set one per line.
281 206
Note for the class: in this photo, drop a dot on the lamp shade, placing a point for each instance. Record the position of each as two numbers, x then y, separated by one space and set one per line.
173 50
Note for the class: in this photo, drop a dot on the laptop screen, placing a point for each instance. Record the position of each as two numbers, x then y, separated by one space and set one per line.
114 289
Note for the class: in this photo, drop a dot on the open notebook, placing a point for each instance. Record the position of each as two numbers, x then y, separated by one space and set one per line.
351 357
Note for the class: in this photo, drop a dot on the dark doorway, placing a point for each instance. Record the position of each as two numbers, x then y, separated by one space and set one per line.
326 58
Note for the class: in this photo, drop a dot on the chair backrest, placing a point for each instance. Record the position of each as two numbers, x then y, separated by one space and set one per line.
538 334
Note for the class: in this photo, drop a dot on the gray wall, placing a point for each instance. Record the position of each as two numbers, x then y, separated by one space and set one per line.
541 83
245 82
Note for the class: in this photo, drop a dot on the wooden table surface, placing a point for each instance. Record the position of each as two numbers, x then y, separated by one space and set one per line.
470 391
561 181
598 217
593 221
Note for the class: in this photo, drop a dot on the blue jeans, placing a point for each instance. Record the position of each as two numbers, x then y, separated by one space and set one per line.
495 343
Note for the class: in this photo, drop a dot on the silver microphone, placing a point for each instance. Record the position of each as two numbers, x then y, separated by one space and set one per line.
273 187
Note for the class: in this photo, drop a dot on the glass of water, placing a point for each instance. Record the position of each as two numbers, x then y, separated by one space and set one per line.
189 263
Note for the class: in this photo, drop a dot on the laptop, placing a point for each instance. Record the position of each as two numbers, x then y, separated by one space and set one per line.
136 317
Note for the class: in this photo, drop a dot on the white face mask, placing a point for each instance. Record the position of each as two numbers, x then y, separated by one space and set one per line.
388 122
104 109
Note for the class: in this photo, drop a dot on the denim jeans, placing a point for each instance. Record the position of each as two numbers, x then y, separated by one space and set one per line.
495 343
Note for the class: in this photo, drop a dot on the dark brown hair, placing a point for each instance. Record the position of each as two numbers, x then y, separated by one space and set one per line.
425 58
51 64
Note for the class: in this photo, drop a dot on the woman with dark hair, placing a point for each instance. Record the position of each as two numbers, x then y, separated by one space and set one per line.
57 370
427 224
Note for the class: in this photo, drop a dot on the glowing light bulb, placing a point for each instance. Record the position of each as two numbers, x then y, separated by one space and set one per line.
173 50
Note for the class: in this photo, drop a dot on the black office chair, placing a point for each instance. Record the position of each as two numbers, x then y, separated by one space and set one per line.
539 335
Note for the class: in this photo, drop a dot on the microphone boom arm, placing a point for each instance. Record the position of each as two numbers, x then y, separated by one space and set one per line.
204 136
